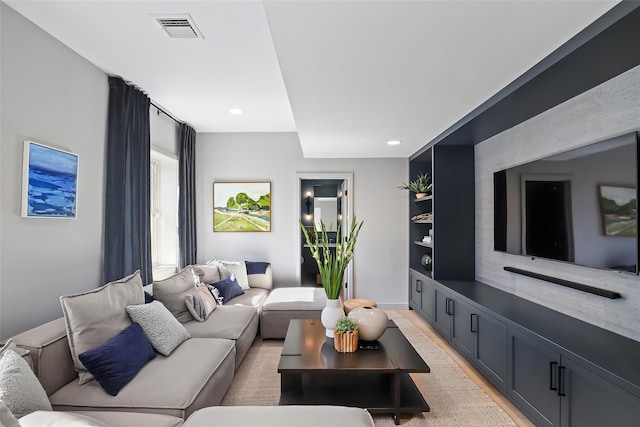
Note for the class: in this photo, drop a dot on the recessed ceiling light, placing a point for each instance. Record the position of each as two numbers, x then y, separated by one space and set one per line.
235 111
393 142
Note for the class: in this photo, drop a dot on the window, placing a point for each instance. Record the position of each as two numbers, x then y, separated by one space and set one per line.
164 213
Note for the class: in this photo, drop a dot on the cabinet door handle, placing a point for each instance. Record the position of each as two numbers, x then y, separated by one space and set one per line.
552 371
561 381
474 327
448 309
418 285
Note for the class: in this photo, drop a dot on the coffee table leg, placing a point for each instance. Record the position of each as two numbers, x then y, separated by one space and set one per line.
396 399
290 383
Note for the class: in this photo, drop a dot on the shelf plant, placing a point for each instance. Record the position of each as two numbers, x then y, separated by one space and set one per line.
421 185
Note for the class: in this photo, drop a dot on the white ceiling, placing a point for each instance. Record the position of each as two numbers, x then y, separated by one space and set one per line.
346 75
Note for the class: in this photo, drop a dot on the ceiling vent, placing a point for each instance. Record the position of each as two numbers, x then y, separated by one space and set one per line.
179 26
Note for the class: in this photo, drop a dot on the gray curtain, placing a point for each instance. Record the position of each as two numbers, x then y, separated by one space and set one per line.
127 236
187 196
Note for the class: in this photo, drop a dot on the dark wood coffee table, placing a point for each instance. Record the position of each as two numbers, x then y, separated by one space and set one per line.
312 372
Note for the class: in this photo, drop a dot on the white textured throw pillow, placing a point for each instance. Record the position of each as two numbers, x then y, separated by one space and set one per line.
7 419
238 268
20 390
163 330
60 419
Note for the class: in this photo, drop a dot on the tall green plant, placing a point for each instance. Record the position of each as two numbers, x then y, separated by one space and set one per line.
332 265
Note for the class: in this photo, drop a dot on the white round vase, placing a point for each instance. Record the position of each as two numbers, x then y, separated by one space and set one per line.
330 315
371 321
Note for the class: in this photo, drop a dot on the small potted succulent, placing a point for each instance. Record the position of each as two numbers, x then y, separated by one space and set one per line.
421 186
345 335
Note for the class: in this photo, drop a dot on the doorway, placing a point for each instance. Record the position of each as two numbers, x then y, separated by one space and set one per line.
547 223
325 197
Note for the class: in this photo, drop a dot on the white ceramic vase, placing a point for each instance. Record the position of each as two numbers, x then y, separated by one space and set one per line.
330 315
372 322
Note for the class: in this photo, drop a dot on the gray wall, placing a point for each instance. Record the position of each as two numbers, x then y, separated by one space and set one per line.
609 110
52 96
381 256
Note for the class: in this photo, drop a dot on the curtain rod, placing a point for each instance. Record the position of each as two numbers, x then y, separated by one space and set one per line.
161 110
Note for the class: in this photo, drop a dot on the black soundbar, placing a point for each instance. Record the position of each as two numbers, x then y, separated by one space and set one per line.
567 283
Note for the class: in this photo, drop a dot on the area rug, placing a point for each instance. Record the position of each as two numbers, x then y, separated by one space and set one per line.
455 400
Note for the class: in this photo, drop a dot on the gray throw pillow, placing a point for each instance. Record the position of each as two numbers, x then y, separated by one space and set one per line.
207 273
20 390
94 317
162 329
172 291
237 268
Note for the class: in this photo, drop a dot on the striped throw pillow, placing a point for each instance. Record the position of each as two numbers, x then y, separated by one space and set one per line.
200 303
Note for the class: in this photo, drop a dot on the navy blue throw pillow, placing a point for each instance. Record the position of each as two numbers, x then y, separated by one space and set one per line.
117 361
228 288
256 267
148 297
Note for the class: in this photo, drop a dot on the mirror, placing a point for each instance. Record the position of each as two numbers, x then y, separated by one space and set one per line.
325 209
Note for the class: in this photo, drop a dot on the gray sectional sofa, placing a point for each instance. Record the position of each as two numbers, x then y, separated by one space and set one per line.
190 381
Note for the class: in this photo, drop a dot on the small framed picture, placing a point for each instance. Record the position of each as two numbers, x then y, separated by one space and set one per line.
242 206
619 215
49 182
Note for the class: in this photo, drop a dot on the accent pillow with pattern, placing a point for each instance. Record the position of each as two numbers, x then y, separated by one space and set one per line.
200 303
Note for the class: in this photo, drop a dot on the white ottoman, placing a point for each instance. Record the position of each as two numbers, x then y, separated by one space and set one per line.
284 304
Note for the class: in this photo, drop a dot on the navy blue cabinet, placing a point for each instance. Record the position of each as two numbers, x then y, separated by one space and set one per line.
422 295
490 348
554 389
589 400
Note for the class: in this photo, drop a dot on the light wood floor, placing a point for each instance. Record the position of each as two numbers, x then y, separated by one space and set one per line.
475 376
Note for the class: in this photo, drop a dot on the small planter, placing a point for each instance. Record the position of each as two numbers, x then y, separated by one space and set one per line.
345 342
421 195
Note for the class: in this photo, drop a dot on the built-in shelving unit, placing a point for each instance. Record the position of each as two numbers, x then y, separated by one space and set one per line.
558 370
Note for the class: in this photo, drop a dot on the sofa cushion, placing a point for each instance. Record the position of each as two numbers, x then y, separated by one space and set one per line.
238 323
284 304
197 374
259 275
227 322
253 297
133 419
208 273
93 317
60 419
227 289
173 291
281 416
117 361
49 350
200 303
19 388
163 330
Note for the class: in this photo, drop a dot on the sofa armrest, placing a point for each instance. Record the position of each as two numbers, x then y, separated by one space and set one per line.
50 354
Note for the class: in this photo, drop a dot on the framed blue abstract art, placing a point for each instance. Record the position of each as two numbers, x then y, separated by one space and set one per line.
49 182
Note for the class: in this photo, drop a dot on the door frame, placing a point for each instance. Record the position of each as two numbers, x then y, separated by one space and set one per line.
345 176
568 208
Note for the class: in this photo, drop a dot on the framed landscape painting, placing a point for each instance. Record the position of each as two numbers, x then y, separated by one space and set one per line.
619 213
242 206
49 182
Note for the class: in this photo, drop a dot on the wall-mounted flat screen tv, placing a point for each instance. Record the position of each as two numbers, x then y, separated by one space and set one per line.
579 206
